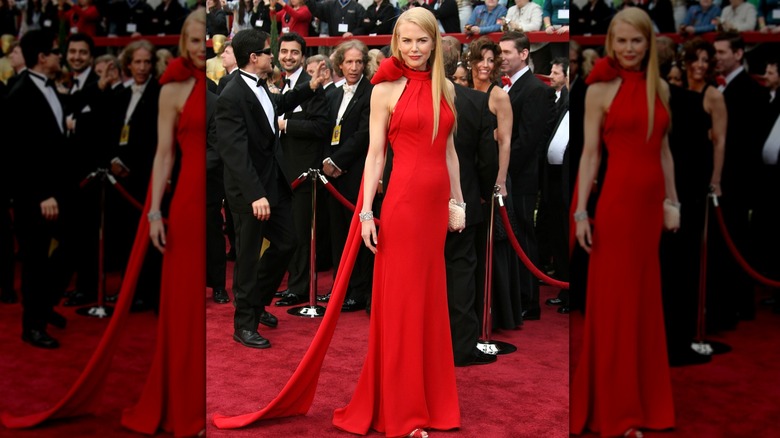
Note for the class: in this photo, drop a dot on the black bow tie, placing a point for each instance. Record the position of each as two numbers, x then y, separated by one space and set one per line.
260 81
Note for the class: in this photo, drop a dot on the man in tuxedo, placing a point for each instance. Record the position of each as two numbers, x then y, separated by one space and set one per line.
133 130
255 184
478 158
345 159
558 71
533 105
229 64
731 291
215 193
84 127
43 186
304 131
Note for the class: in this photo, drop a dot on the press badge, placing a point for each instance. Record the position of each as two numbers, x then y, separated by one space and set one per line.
259 23
124 136
285 30
343 27
563 14
131 27
336 138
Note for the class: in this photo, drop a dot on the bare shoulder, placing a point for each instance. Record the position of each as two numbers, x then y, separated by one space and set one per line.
713 95
176 93
499 96
601 94
386 94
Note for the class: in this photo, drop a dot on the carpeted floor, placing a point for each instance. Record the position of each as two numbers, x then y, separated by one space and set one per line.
736 395
524 394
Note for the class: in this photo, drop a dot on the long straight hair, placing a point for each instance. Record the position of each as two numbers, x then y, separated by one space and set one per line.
439 84
196 16
638 19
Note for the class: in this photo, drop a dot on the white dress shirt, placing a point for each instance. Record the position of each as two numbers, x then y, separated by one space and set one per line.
51 97
262 97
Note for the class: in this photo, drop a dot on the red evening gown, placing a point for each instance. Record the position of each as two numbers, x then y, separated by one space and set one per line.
174 396
408 377
622 379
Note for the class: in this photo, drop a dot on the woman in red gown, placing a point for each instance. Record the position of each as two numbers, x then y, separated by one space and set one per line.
408 379
622 383
174 396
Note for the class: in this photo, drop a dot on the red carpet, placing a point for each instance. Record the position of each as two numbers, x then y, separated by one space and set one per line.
524 394
735 395
34 379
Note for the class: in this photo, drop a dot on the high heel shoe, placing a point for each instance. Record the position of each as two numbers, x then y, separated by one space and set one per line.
633 433
418 433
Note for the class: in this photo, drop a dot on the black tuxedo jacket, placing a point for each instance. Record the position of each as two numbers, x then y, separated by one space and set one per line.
138 154
746 102
533 109
40 162
250 147
350 154
477 150
447 14
306 135
90 134
223 81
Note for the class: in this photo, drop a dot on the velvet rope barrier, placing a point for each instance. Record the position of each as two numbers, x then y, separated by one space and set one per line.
339 197
526 261
298 181
735 252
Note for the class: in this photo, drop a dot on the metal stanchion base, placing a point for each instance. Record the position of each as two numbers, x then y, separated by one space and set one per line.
495 347
96 311
709 348
307 311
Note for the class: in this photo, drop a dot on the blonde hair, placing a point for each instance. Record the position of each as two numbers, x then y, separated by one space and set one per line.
439 84
196 16
638 19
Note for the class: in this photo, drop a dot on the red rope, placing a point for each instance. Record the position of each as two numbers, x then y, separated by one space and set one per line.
737 256
341 198
526 261
298 181
126 195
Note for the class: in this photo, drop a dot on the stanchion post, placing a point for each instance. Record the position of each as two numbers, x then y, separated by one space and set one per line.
101 310
700 345
312 310
485 344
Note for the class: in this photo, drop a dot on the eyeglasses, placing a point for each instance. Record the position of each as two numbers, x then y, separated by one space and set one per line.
266 51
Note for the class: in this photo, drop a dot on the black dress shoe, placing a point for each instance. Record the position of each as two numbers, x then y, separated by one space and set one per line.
268 320
8 296
57 320
281 293
251 339
553 301
40 339
351 305
564 310
79 299
231 255
323 298
532 315
220 296
291 299
477 358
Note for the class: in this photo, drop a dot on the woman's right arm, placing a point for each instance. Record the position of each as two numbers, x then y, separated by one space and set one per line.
589 163
501 106
163 159
716 105
375 159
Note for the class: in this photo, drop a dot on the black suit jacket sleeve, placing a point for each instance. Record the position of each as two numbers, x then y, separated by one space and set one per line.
297 96
213 162
315 125
233 146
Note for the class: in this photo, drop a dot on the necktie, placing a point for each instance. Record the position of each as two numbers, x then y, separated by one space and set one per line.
75 86
348 89
50 83
286 87
137 88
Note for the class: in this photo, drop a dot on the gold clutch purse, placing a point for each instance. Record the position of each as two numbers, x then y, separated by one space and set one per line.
457 218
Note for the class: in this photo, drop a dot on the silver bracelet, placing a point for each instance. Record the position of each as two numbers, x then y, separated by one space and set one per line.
580 216
154 216
366 216
459 204
672 203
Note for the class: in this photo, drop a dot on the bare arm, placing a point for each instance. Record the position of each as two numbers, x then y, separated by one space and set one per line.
381 96
453 168
501 106
591 159
164 157
667 165
715 104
